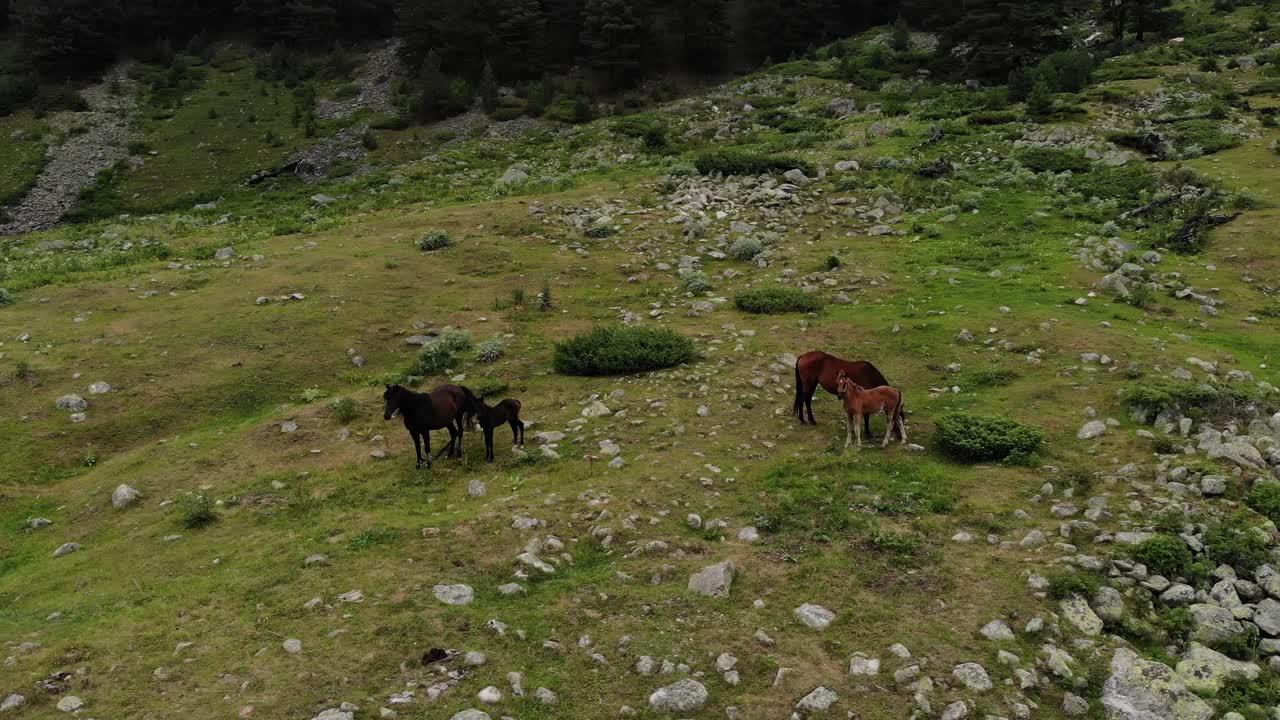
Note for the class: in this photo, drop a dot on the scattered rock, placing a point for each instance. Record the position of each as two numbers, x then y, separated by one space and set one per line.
814 616
714 580
123 497
454 594
682 696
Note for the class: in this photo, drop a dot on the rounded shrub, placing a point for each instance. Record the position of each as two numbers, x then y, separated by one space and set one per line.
1234 542
966 436
746 248
344 409
695 281
490 350
776 300
621 350
1164 555
435 240
6 297
433 359
1264 498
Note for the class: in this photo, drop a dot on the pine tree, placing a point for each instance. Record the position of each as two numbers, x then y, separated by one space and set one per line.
67 36
612 39
901 41
704 41
518 50
488 89
1040 100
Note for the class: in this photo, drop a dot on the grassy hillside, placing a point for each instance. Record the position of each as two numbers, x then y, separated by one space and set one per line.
961 252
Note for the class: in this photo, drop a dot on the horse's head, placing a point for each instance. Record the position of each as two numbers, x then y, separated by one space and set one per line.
391 401
842 383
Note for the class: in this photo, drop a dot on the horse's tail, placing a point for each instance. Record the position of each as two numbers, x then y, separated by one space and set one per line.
797 406
470 406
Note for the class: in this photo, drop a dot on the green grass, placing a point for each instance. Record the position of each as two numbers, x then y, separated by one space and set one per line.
22 148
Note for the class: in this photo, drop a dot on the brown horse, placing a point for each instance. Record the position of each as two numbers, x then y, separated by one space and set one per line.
448 407
861 403
818 368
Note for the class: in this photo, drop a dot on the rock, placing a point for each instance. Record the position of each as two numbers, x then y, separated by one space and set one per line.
864 666
814 616
595 409
1078 613
957 710
797 176
682 696
847 166
973 676
471 714
749 534
1266 615
476 488
12 702
489 695
1033 539
1108 604
1091 429
351 596
545 696
123 497
454 594
38 522
1142 690
99 388
335 714
818 700
224 253
66 549
997 630
842 107
1178 594
70 703
293 646
900 651
1246 63
1205 670
1213 485
513 176
1212 625
714 580
71 403
1074 706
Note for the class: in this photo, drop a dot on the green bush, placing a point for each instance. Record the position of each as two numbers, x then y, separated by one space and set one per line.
1127 183
344 409
196 510
433 359
648 128
490 350
992 117
745 162
1264 498
1233 542
621 350
775 300
979 437
695 281
1164 555
1067 584
1043 159
1197 400
488 387
744 249
435 240
454 340
1203 134
6 297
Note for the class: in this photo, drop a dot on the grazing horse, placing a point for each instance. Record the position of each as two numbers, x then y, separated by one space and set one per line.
818 368
859 403
506 412
448 407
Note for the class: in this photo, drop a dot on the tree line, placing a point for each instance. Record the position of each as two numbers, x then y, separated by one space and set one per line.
602 46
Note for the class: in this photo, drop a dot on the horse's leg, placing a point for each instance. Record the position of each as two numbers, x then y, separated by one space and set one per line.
417 447
447 448
426 440
515 431
888 428
454 451
848 430
488 444
857 428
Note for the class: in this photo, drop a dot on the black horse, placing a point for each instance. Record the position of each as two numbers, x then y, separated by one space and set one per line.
508 412
448 407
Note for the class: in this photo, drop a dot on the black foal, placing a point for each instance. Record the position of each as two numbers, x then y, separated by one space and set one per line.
507 411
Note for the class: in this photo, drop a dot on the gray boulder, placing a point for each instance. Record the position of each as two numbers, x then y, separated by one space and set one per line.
123 497
1204 670
818 700
71 403
714 580
1212 625
1108 604
1267 617
454 594
814 616
1142 690
973 676
1078 613
66 549
682 696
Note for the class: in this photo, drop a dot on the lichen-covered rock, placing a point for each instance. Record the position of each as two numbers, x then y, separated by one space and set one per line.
1212 624
1078 613
714 580
682 696
1142 690
1204 670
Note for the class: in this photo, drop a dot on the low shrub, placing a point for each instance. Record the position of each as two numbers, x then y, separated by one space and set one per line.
776 300
1067 584
695 281
648 128
490 350
745 249
454 340
621 350
745 162
196 510
435 240
433 359
1128 183
980 437
1233 542
1264 498
6 297
1164 555
344 409
992 117
1197 400
1043 159
1201 137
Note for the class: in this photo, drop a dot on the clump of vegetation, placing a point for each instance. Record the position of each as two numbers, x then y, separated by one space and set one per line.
992 117
1264 498
648 128
1045 159
966 436
544 297
490 350
372 538
433 359
488 387
746 248
776 300
1164 555
6 297
434 240
744 162
344 409
196 510
621 350
454 340
695 281
1197 400
1234 542
1073 583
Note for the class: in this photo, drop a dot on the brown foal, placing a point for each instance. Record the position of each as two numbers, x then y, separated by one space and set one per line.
861 403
